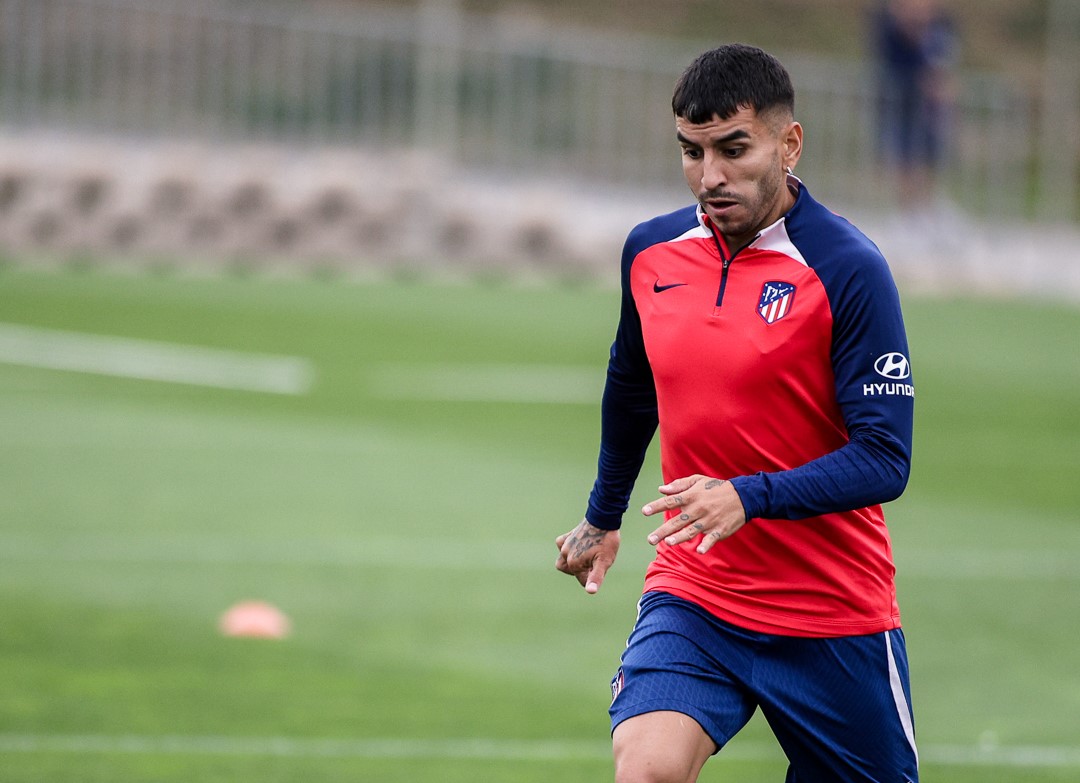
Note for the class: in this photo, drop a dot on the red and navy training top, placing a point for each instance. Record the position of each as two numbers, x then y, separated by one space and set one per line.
784 368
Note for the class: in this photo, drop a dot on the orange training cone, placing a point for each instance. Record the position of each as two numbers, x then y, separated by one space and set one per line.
255 619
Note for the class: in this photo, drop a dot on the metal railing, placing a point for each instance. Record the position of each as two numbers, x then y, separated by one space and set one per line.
485 92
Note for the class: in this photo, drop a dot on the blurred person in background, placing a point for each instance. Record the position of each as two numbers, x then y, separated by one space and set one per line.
916 48
761 335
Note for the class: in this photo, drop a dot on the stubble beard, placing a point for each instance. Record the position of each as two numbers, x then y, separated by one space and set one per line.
757 210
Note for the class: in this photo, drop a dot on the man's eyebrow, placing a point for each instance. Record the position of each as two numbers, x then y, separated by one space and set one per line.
735 135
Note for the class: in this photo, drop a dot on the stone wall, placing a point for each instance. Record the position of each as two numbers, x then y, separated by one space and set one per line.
268 207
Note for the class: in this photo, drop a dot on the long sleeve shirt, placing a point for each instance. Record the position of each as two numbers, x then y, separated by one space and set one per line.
784 368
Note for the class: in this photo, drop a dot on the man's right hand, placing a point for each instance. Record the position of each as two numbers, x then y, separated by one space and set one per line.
587 552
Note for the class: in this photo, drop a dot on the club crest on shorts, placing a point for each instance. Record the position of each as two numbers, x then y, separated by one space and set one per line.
776 300
617 683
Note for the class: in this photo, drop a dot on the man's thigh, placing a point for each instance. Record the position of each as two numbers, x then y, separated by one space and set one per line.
672 746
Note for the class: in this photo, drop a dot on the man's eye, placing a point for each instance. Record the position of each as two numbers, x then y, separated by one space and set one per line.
734 152
691 153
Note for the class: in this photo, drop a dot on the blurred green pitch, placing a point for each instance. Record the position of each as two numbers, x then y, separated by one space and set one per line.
408 531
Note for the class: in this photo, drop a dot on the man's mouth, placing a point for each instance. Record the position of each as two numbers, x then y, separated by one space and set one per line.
720 205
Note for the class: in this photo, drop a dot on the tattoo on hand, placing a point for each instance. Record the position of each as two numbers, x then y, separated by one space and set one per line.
684 517
714 483
586 540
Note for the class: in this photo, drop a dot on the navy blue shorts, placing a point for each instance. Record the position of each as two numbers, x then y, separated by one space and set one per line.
839 707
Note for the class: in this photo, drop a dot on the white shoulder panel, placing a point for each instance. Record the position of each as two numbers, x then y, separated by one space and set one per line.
776 238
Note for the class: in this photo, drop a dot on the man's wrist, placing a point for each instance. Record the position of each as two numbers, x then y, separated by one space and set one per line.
735 483
602 522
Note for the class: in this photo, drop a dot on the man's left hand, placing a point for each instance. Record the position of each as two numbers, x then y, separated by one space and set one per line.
708 507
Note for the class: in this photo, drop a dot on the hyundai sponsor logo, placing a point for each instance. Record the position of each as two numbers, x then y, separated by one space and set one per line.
894 367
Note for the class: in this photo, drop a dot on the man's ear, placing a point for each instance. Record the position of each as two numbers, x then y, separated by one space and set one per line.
792 141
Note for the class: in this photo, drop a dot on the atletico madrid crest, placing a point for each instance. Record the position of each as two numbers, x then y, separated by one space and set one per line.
776 300
617 684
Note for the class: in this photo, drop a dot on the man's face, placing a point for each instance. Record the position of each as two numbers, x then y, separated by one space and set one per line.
737 170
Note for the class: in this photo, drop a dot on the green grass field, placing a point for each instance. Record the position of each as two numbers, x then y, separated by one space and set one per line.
402 513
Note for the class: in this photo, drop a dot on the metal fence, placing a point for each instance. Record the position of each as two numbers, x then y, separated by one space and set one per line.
489 92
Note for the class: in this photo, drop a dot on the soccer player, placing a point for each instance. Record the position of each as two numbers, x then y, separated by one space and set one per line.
763 335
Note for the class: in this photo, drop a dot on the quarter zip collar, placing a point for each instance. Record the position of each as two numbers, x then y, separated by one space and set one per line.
763 236
726 255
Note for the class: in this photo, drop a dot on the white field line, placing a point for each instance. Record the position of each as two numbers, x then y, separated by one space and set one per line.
524 383
482 749
1030 756
155 361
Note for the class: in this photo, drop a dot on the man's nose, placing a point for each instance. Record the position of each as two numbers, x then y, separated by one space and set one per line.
714 173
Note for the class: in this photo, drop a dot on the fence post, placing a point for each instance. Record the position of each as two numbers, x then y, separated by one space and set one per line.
1059 118
438 64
